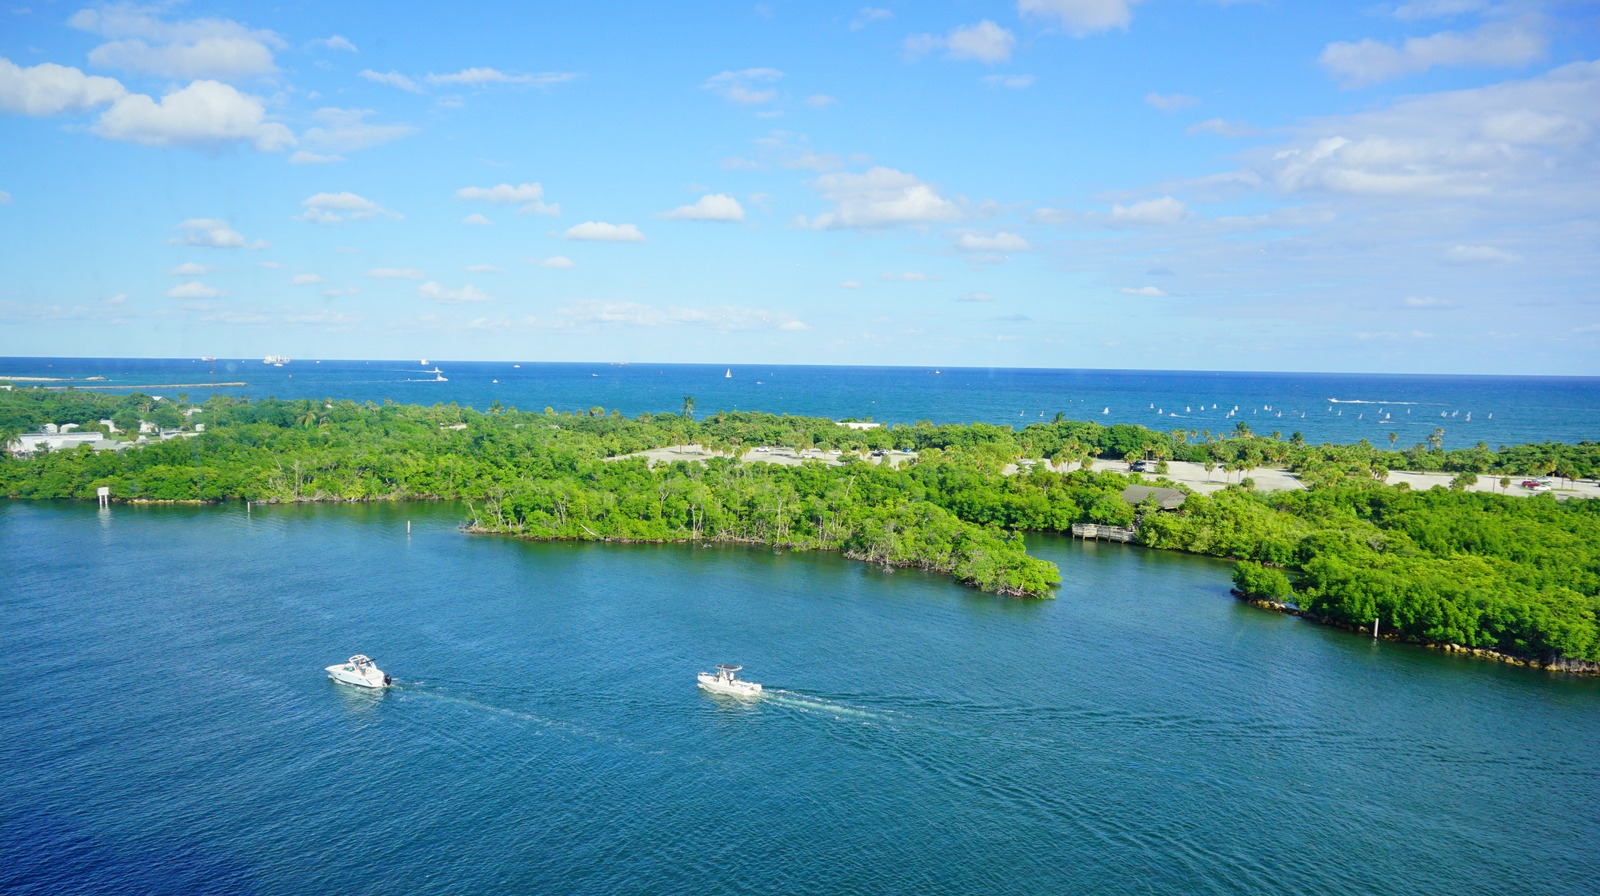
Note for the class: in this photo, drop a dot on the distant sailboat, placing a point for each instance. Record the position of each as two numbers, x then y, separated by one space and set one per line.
729 374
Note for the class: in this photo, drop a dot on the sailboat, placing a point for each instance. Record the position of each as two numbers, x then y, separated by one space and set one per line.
729 374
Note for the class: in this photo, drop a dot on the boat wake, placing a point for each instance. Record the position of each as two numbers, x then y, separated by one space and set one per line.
817 704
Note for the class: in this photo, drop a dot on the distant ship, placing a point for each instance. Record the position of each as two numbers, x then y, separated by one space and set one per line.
208 359
275 360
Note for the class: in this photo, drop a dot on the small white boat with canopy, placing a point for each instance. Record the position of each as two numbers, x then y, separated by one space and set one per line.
726 681
359 671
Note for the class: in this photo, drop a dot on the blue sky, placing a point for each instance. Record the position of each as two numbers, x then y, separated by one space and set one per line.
1189 184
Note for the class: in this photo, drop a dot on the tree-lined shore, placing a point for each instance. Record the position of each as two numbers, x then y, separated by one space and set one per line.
1517 576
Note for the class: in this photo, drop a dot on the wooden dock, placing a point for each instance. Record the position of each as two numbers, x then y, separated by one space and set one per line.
1104 533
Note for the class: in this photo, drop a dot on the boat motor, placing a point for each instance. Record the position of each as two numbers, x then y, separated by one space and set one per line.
388 679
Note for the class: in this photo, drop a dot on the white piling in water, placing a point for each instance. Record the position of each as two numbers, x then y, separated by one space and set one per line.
408 527
1374 629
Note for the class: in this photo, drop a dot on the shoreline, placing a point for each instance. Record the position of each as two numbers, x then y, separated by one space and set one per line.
1563 666
887 565
158 386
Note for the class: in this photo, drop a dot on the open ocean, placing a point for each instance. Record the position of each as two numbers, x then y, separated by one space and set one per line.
1323 407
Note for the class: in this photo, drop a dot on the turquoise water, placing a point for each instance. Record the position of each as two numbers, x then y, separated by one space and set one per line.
1324 407
169 728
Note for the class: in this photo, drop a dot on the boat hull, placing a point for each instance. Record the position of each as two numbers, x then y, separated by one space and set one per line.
346 675
731 689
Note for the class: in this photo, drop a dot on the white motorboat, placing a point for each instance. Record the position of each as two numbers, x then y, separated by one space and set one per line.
726 681
360 671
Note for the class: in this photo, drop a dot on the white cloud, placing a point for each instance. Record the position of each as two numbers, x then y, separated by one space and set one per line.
477 77
1171 102
984 42
907 277
204 48
305 280
867 16
204 114
338 291
465 294
325 208
558 261
304 157
711 207
398 274
214 234
190 269
999 242
269 265
482 269
1466 255
530 195
1428 9
603 232
976 297
1154 292
1425 302
881 197
336 43
195 290
391 78
5 198
1368 62
1010 82
722 318
819 100
1163 212
50 89
1524 145
1081 17
477 220
742 87
1223 128
790 150
345 130
849 284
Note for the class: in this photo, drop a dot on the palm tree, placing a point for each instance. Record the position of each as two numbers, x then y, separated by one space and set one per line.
1392 437
688 407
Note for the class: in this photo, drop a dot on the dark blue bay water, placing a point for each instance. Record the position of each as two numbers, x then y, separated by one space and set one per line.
1324 407
168 727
